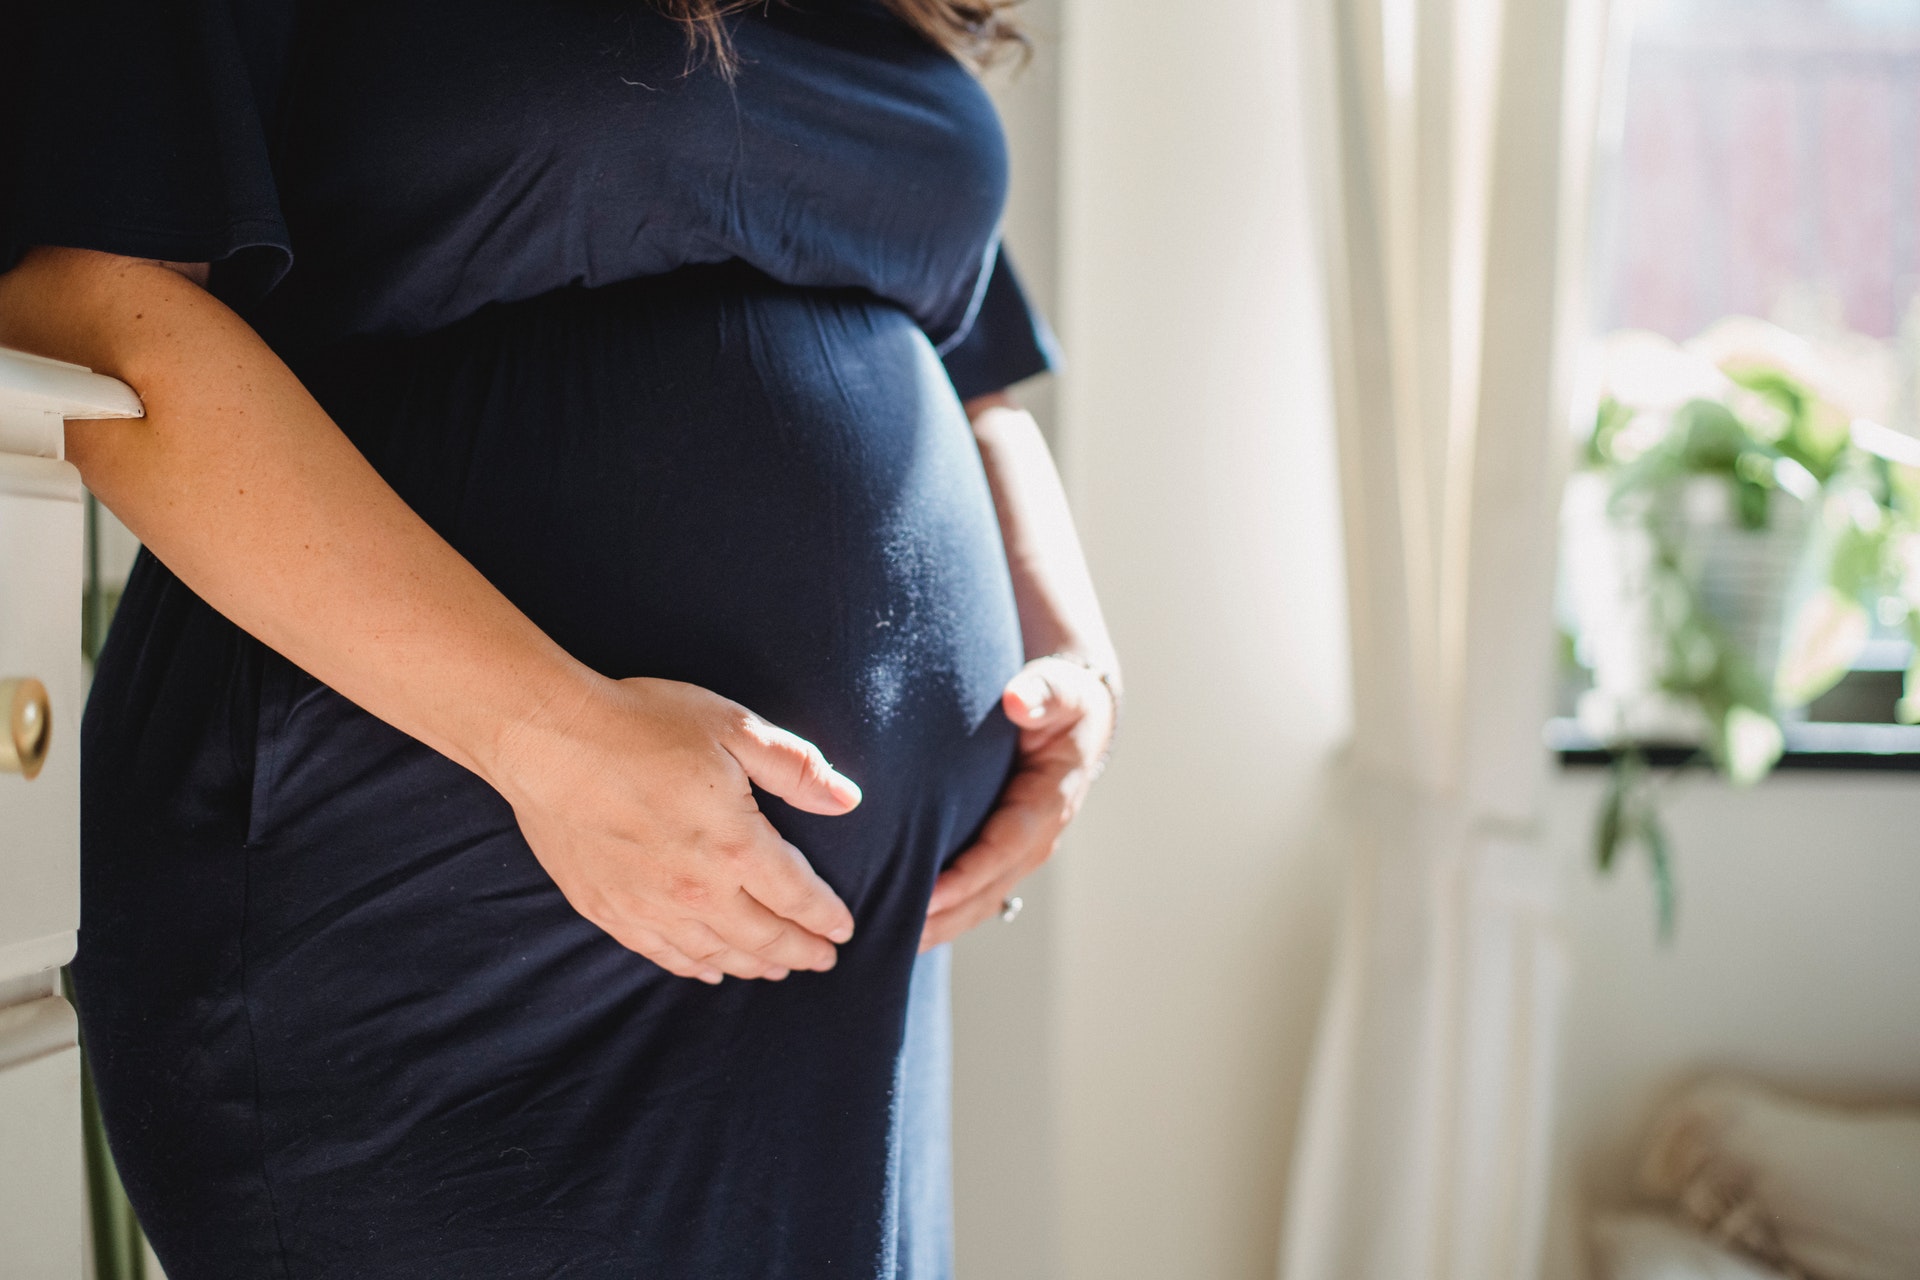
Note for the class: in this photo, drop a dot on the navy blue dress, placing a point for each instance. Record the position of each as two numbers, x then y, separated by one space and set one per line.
678 364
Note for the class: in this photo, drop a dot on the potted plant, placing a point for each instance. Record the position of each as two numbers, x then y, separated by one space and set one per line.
1739 519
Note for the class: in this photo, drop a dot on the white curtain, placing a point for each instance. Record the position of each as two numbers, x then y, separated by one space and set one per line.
1456 139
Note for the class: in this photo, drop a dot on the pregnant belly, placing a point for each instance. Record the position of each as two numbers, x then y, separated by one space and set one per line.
710 477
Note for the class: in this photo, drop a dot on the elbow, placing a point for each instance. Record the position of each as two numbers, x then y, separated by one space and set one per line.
98 311
129 318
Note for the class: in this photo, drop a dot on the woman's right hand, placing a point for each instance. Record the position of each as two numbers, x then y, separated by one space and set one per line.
637 800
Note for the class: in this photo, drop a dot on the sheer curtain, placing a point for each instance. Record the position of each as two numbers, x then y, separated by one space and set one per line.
1456 139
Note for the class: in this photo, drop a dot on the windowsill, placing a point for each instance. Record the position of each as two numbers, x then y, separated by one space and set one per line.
1811 744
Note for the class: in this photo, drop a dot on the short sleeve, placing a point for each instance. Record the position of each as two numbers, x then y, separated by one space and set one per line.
145 127
1008 341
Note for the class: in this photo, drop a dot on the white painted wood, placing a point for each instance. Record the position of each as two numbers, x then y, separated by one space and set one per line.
35 957
31 477
42 542
42 533
42 1187
33 1030
34 986
70 390
31 431
37 395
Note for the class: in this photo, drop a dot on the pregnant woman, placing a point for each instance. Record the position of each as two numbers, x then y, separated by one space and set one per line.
570 425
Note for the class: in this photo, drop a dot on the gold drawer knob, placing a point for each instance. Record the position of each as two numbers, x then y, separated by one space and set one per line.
23 747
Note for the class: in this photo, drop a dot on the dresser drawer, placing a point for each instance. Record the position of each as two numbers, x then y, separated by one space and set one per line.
42 1191
42 535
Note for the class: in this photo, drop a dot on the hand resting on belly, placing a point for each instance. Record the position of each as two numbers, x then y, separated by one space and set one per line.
635 794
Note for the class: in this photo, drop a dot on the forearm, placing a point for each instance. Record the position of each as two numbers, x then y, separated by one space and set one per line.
240 483
1059 610
1065 712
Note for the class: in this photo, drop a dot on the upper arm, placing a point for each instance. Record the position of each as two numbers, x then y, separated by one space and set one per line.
199 368
81 305
143 321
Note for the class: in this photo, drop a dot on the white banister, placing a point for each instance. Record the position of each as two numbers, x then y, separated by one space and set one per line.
37 395
42 538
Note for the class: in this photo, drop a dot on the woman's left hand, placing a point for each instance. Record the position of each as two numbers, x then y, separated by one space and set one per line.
1065 713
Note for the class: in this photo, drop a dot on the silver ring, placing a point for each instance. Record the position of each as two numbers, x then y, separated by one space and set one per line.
1010 909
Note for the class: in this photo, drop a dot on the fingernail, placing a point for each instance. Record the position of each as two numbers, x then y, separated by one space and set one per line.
777 975
712 977
844 789
842 934
1031 691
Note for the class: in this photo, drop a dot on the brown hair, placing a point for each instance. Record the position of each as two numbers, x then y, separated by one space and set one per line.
977 30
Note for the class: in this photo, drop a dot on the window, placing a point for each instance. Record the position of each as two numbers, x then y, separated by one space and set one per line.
1766 165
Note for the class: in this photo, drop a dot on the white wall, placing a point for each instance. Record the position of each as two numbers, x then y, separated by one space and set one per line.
1130 1056
1797 959
1196 905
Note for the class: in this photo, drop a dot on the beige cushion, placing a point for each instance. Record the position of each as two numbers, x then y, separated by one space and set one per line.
1649 1246
1821 1192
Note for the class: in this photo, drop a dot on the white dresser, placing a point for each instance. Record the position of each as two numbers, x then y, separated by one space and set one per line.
42 535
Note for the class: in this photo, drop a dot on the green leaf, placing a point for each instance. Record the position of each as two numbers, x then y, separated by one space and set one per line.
1908 710
1608 831
1858 565
1754 502
1816 434
1607 425
1653 835
1711 437
1566 646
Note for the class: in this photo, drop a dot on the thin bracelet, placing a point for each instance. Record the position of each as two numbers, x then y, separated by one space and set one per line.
1105 677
